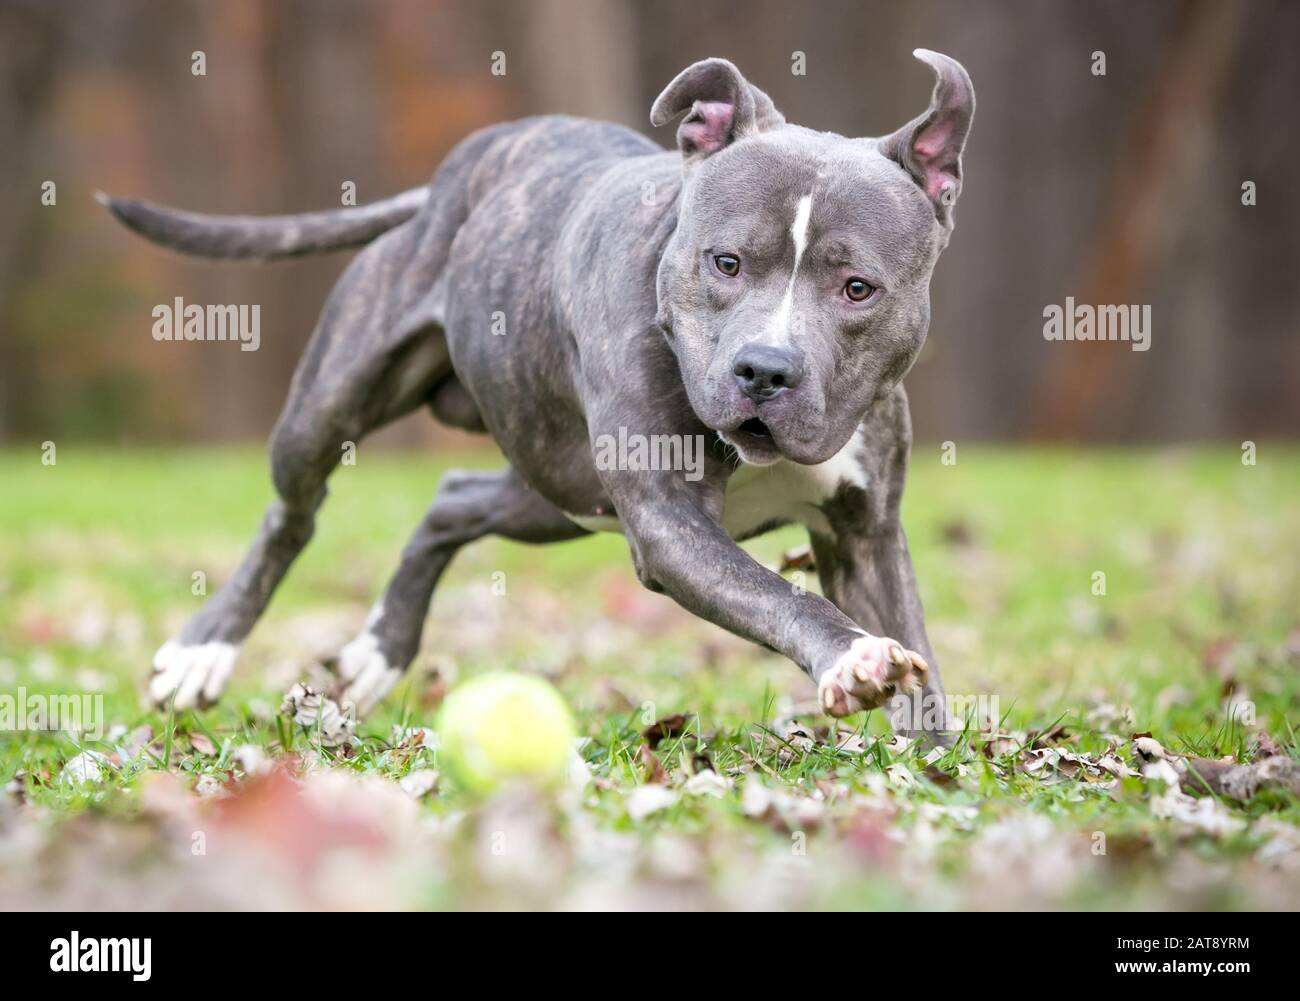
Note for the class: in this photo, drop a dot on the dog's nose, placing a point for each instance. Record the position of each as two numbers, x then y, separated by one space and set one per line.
764 371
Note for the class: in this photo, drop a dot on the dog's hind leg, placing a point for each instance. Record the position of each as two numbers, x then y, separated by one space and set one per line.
197 662
469 506
361 370
378 353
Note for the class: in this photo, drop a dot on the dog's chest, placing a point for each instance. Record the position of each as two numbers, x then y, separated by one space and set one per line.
758 497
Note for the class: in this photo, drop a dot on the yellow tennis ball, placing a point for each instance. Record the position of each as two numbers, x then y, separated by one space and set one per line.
500 727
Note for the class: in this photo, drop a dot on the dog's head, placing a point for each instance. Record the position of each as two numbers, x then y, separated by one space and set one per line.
796 287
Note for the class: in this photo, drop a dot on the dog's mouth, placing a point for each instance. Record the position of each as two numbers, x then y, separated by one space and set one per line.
754 442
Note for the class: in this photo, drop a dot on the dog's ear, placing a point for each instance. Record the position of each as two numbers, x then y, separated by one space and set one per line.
929 147
720 105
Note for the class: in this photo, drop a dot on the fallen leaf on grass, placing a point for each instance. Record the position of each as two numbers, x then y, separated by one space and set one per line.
1224 778
1205 814
318 715
999 745
578 773
209 786
788 743
1266 746
798 736
707 783
252 759
419 783
1051 737
131 745
87 767
781 810
16 788
1114 765
850 741
1240 782
697 759
202 744
1046 760
666 728
652 768
647 799
755 799
901 776
1282 845
413 737
938 776
1147 748
897 744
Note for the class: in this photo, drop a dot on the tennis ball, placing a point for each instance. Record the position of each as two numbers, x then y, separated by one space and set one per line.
501 726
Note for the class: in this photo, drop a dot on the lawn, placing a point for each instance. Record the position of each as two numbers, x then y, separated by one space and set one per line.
1091 596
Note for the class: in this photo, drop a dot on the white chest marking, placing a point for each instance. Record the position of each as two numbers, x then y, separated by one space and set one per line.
787 491
778 331
783 491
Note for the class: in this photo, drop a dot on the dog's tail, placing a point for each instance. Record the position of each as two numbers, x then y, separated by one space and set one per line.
264 238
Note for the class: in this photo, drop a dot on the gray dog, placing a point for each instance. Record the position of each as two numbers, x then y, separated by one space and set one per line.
564 284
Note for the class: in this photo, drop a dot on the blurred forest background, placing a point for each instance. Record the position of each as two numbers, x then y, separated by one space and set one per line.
1122 188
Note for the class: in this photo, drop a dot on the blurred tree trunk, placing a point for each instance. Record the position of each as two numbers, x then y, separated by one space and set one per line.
31 44
1167 149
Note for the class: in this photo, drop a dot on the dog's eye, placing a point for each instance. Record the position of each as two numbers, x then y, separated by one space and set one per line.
727 264
857 290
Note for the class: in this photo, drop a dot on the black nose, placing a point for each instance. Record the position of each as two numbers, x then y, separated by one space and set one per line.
764 371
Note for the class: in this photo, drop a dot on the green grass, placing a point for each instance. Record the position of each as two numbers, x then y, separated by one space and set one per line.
1201 572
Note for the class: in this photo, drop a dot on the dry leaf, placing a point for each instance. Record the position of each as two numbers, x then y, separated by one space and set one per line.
666 728
318 714
419 783
1052 736
707 783
651 767
252 759
201 743
209 786
1266 746
1240 782
88 766
647 799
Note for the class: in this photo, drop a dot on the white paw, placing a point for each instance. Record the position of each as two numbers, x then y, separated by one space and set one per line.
873 670
197 674
368 674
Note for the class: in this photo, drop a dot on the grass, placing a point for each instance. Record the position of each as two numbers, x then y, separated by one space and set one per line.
1196 639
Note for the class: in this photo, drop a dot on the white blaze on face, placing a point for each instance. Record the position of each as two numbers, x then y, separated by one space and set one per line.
779 330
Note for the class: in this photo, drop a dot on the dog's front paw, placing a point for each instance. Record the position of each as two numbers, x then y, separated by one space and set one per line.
368 674
197 673
873 670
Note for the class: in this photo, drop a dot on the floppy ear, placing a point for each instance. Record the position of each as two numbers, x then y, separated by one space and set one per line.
721 106
929 147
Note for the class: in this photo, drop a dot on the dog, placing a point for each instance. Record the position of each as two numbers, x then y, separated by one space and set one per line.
560 283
